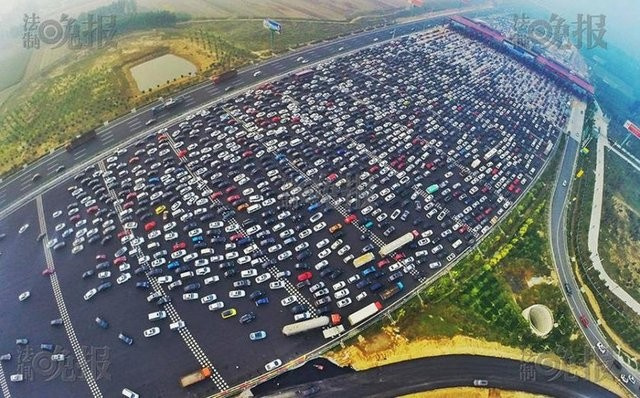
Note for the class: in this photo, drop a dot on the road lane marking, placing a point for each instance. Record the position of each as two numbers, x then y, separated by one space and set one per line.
68 326
184 332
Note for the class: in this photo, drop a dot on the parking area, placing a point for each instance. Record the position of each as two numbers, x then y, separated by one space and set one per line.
203 240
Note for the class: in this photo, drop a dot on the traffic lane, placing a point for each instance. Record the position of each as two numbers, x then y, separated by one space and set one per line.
23 262
150 365
120 130
432 373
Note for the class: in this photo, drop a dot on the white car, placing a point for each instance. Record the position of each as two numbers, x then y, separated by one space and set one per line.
274 248
276 285
203 271
177 325
190 296
303 234
344 302
152 332
165 279
170 236
16 377
218 305
244 260
237 293
263 278
324 253
341 294
89 294
123 278
288 300
338 286
155 316
284 255
601 347
249 273
361 296
178 254
344 249
57 357
211 279
209 298
104 274
24 295
322 243
319 226
276 363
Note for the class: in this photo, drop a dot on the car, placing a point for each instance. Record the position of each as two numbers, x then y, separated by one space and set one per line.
22 341
259 335
237 293
190 296
304 276
276 363
277 285
125 338
16 377
601 347
584 320
155 316
24 295
102 323
480 383
247 318
56 322
231 312
288 300
57 357
90 293
5 357
177 325
154 331
344 302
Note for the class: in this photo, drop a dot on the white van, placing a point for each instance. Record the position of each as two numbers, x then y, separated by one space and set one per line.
129 394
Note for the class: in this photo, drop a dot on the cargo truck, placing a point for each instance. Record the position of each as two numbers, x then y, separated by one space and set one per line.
398 243
364 259
364 313
304 326
80 139
224 76
391 291
195 377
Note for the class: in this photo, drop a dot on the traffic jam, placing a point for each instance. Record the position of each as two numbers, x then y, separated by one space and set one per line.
315 200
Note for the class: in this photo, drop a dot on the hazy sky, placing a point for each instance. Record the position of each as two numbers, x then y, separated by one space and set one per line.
622 21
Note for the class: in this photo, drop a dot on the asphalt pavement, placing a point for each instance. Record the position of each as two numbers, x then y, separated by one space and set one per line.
434 373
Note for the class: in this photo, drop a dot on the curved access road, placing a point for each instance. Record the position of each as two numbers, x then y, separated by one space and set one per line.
433 373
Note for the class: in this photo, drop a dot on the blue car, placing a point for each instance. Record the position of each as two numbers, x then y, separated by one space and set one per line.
47 347
154 180
197 239
102 323
243 241
125 339
142 285
313 207
368 271
174 264
262 301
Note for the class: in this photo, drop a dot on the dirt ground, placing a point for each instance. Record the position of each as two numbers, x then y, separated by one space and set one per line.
390 347
470 392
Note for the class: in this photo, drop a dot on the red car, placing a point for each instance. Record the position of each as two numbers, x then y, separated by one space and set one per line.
132 195
332 177
399 256
584 321
230 189
182 153
101 257
48 271
216 195
384 262
179 246
350 218
74 218
134 159
122 234
304 276
127 205
149 226
93 209
119 260
246 154
236 237
233 198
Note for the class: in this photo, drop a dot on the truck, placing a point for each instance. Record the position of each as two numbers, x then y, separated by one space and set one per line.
303 73
432 188
391 291
364 259
332 332
80 139
224 76
490 154
195 377
398 243
548 147
364 313
167 105
304 326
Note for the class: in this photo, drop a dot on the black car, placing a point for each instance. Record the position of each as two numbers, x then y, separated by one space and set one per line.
104 286
88 274
163 300
192 287
299 309
257 295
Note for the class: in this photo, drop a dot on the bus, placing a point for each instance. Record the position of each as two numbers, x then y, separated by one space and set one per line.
364 259
398 243
364 313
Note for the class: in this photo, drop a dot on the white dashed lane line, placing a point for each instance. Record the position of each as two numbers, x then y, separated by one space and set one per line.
68 326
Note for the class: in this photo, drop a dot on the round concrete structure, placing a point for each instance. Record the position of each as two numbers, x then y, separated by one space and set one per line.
540 319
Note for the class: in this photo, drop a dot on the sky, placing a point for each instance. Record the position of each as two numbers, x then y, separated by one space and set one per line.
622 21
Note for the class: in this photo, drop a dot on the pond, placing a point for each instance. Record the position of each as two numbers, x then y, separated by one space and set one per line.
158 70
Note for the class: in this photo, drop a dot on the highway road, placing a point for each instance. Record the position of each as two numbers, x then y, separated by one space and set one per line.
562 263
452 371
18 189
